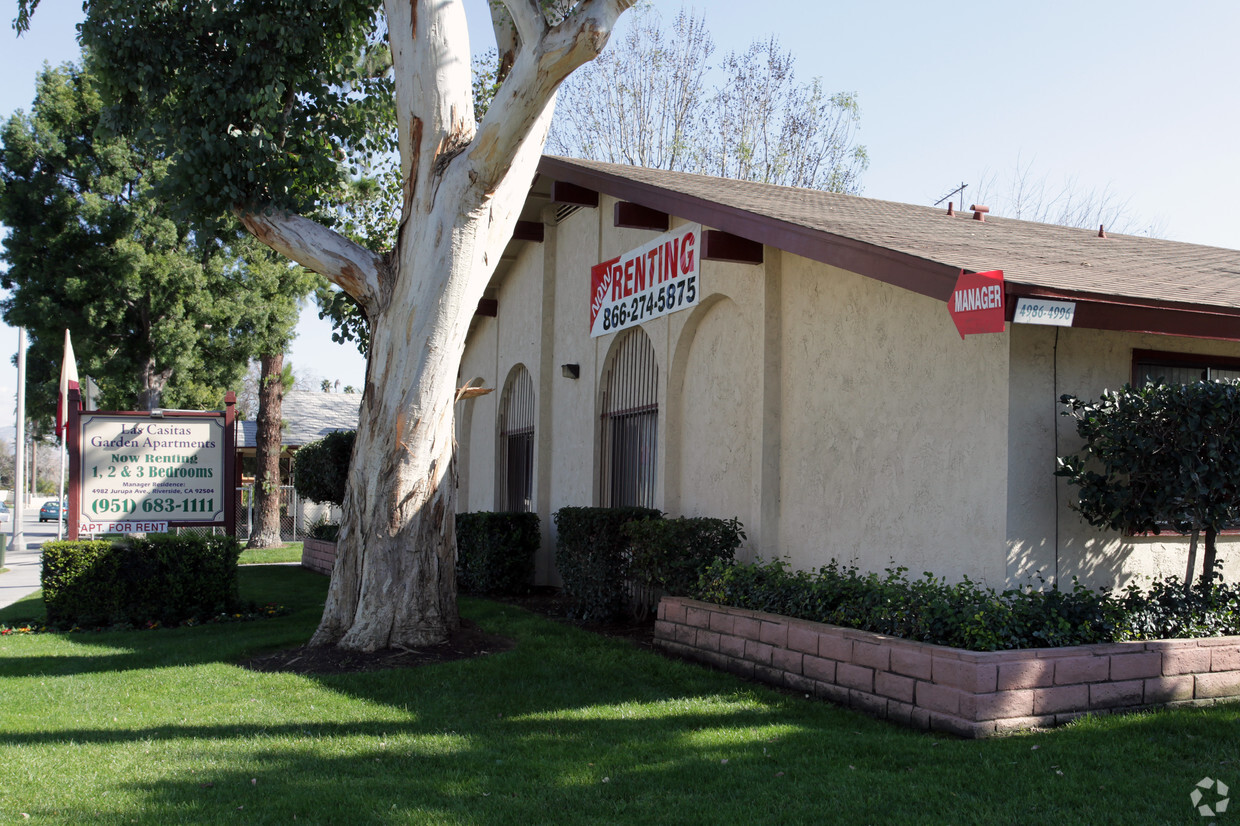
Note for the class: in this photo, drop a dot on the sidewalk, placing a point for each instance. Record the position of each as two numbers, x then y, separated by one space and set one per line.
22 576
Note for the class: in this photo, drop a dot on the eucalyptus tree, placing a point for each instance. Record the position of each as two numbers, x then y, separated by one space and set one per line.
262 110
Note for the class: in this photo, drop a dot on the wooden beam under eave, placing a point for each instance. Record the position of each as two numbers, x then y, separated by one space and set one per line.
528 231
635 216
563 192
488 307
723 246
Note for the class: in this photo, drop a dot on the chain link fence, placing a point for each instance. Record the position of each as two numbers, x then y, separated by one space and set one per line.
297 515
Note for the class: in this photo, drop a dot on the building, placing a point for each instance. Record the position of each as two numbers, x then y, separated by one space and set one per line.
815 386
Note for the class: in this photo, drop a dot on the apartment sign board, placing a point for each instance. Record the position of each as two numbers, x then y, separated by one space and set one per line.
147 474
658 278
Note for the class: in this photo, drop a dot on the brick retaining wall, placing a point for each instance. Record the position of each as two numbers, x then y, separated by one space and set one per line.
318 555
969 693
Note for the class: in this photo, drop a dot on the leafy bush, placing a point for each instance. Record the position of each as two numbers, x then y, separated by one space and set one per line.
495 552
1168 609
670 554
326 531
967 615
1158 456
592 555
321 468
161 578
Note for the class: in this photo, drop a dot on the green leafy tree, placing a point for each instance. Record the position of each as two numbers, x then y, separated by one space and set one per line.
1159 457
267 111
154 311
321 468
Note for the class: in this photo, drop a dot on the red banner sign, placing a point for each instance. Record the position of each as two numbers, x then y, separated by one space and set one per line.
657 278
976 305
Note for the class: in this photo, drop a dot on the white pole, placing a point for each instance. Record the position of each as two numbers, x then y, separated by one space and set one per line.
64 455
19 488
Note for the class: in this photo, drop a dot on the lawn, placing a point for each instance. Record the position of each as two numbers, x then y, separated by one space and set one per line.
289 552
161 727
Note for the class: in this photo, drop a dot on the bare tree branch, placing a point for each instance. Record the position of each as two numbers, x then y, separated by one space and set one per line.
353 268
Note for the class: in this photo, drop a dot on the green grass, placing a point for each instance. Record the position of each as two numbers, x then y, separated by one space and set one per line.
290 552
161 727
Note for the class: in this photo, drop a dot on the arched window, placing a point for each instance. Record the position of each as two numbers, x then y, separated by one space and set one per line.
516 443
630 424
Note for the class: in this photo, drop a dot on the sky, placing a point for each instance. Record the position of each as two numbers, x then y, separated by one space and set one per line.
1137 98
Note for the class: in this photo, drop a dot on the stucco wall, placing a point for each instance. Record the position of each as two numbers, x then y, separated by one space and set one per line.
894 430
1045 536
836 416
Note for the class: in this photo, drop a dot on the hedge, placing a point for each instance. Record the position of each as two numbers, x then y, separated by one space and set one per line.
495 552
592 555
162 578
671 554
967 615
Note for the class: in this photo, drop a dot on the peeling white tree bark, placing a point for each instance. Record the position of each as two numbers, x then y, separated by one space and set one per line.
394 583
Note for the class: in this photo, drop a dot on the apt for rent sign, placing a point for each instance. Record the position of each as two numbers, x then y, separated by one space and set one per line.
655 279
140 474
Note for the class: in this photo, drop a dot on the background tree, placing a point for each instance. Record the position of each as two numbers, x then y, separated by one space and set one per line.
153 308
1027 195
1159 456
259 111
276 286
649 101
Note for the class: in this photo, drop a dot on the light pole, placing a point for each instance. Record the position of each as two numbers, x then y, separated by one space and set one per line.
19 486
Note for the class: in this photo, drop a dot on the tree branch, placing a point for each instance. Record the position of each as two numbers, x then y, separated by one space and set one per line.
526 16
506 40
352 268
540 67
434 94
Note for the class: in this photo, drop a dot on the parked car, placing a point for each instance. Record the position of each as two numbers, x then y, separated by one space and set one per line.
6 515
50 511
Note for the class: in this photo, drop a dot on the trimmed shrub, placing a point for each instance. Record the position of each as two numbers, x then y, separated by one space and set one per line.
160 578
967 615
495 552
670 554
321 468
592 555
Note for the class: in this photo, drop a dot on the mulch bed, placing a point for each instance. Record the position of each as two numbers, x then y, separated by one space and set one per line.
466 642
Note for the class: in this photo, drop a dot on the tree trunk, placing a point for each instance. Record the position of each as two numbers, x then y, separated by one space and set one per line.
1192 561
153 383
267 442
394 581
1210 558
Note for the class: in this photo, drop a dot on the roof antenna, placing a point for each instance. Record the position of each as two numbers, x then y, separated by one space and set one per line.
959 189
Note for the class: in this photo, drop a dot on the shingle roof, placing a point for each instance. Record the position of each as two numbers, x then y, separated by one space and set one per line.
927 246
309 416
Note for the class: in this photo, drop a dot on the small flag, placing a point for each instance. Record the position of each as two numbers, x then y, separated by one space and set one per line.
68 381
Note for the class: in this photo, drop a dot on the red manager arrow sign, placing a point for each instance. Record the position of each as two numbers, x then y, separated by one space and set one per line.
976 305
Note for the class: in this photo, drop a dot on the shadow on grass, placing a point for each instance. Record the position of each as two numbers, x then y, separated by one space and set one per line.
301 592
573 728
